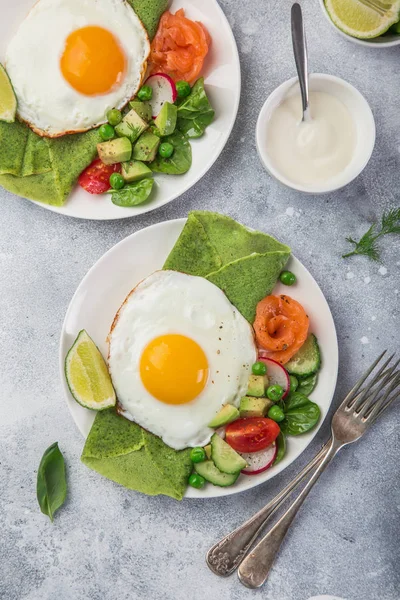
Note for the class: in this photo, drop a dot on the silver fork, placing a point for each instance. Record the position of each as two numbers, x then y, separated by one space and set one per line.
361 407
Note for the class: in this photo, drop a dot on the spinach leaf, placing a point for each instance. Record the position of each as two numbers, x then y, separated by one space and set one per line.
301 414
281 443
307 384
195 113
133 193
51 488
180 161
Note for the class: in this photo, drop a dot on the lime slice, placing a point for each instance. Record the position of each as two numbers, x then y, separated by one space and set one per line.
8 101
363 19
87 375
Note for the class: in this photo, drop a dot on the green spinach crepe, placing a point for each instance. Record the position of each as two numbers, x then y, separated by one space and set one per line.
245 264
45 169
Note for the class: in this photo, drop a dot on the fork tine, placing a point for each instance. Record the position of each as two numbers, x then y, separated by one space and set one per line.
362 410
362 397
352 395
374 411
384 406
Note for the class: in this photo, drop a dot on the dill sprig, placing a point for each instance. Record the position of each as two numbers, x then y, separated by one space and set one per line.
367 245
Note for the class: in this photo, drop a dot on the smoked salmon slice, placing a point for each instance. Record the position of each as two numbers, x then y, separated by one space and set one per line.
281 327
179 47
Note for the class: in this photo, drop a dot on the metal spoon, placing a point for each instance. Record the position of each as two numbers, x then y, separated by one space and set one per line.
300 56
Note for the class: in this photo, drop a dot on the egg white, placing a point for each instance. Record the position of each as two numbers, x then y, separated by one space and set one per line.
171 302
45 99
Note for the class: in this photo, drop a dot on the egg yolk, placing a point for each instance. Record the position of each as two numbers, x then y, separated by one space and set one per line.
93 62
173 369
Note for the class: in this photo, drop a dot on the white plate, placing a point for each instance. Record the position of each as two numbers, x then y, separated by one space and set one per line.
106 285
222 78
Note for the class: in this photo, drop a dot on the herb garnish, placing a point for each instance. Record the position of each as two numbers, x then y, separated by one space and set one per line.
367 245
51 483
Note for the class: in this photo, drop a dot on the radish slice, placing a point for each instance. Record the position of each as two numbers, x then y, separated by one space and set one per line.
221 431
164 90
260 461
277 375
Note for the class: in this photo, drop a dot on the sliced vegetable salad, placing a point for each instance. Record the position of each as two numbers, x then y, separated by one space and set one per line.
153 134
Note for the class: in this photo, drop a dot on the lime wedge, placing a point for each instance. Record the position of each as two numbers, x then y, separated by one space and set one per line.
8 101
87 375
363 19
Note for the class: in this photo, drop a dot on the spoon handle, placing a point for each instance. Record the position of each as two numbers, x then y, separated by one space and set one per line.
300 53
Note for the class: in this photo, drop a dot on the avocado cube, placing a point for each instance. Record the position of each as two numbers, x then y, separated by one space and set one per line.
134 170
254 407
207 450
146 147
131 126
227 414
256 385
166 119
115 151
143 109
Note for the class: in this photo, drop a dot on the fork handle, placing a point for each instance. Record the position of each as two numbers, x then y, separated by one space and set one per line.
255 568
226 555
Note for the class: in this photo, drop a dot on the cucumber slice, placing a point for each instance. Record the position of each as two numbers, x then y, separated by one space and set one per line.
307 360
209 471
225 458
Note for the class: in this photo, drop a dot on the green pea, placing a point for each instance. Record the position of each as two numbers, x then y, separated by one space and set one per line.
183 89
275 392
166 150
106 132
114 116
287 278
196 481
294 384
117 182
276 414
145 93
197 454
259 368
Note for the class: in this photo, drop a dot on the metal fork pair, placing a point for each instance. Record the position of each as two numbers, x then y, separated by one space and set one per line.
362 406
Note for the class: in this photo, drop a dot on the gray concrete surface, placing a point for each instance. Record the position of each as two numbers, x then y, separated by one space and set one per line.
111 544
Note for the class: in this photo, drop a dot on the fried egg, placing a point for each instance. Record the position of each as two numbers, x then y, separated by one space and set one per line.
70 61
179 351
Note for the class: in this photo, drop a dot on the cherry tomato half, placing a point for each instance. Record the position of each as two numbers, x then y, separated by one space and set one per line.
251 434
95 179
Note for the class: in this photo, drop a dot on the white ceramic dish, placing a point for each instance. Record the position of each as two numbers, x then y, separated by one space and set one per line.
222 78
105 286
383 41
358 108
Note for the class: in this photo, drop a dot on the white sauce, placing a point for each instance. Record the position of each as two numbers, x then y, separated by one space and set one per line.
314 151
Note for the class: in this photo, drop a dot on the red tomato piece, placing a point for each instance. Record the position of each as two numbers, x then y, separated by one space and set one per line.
95 179
251 434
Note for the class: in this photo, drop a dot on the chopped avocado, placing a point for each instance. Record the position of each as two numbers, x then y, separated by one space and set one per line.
166 119
146 147
134 170
143 109
257 385
115 151
207 450
254 407
225 458
227 414
131 126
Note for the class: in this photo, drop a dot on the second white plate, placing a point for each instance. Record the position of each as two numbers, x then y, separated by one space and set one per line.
222 78
106 285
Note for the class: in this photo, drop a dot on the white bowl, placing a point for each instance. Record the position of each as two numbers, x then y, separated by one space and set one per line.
358 108
383 41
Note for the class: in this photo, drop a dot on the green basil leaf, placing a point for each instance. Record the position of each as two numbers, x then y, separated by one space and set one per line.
51 486
180 161
281 443
133 193
195 113
301 414
307 385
